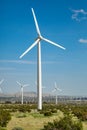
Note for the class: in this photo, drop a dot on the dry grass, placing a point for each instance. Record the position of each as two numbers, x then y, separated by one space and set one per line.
32 121
85 125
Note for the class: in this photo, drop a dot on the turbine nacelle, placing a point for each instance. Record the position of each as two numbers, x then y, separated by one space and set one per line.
21 85
39 38
1 81
56 88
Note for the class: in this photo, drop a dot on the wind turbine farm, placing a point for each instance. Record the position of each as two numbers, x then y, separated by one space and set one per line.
43 52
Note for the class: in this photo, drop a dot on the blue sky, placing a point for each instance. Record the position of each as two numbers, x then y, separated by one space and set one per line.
64 22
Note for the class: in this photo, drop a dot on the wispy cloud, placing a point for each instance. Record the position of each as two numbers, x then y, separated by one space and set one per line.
6 68
49 62
26 62
83 40
79 15
17 61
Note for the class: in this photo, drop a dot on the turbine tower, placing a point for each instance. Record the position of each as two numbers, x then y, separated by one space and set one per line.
55 90
39 70
0 84
22 89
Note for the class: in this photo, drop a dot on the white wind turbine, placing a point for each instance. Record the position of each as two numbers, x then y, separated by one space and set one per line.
39 72
0 84
55 90
42 86
22 90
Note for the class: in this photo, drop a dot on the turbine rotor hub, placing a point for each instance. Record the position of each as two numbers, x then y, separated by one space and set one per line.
40 38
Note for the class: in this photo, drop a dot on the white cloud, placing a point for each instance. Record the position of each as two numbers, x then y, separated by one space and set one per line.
79 15
83 40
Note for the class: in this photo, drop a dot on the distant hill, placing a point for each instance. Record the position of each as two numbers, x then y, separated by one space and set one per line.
18 94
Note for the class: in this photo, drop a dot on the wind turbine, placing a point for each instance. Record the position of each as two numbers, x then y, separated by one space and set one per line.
0 84
42 86
22 89
39 70
55 90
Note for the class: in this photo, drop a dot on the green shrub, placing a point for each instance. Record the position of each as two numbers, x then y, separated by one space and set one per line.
22 109
21 115
5 116
47 113
81 114
64 124
17 128
54 110
1 128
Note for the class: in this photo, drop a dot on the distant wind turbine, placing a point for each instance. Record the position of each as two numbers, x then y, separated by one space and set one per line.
0 85
22 89
39 72
55 90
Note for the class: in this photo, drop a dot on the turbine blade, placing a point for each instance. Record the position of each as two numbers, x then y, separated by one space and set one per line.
0 90
30 48
25 85
59 89
36 24
53 43
55 85
1 81
18 83
53 90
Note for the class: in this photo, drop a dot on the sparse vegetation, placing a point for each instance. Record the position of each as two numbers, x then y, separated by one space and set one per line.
28 117
21 115
5 117
17 128
1 128
66 123
47 113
